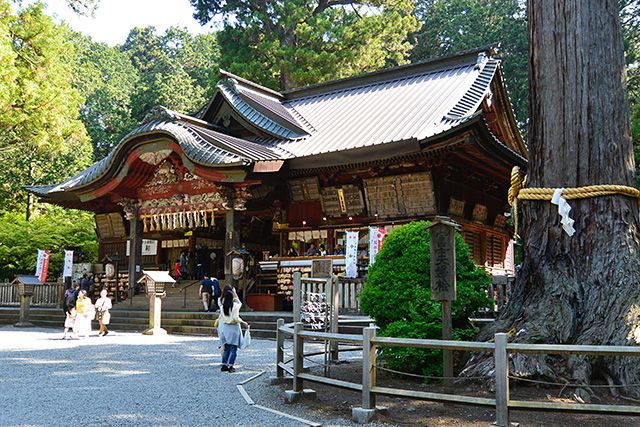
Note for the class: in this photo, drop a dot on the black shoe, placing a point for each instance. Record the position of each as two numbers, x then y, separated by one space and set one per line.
224 368
231 369
105 333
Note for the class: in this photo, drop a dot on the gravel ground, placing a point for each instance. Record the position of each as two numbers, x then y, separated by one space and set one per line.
128 379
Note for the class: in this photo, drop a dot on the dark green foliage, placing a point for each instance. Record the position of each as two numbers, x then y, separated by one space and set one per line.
454 26
21 239
398 296
290 44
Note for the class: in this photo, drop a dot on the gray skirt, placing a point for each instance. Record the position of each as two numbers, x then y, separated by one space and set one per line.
229 334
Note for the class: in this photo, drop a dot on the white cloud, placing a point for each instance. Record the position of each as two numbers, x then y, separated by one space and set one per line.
113 19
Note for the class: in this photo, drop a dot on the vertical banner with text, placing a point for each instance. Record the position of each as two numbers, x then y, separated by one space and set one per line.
351 255
42 267
68 264
376 237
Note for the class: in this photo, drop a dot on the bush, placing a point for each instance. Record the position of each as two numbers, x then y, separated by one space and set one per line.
398 297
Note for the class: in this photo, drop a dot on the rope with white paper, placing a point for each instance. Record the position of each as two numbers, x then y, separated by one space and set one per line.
560 196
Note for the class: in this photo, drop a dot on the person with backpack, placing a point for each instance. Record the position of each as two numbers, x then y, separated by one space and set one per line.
213 304
72 297
206 292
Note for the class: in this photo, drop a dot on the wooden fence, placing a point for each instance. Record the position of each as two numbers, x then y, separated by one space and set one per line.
502 403
45 295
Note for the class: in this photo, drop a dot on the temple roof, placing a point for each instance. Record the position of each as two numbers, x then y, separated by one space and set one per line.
397 110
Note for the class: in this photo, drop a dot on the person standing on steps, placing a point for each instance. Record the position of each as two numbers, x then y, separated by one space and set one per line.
229 329
206 292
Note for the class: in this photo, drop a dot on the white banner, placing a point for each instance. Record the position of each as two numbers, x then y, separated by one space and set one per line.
43 265
68 264
376 237
149 247
351 255
39 263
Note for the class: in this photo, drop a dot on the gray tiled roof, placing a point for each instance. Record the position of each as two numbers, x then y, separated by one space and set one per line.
413 107
410 103
199 144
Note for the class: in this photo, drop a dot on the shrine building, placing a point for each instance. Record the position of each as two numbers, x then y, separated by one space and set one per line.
261 171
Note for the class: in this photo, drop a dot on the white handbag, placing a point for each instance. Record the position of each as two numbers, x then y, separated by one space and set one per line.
246 339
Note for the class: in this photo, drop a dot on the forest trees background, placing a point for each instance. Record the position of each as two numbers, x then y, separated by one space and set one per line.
66 101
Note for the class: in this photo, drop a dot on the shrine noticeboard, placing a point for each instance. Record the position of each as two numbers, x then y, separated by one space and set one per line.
443 262
400 195
342 201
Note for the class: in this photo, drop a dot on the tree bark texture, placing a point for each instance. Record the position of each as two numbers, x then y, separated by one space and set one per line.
581 289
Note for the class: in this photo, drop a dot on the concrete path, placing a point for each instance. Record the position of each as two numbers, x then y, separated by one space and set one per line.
127 379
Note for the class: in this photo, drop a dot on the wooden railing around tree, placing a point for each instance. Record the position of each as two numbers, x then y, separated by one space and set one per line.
501 349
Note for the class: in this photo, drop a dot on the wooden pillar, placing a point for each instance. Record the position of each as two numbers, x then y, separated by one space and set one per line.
231 242
447 355
502 381
135 252
368 368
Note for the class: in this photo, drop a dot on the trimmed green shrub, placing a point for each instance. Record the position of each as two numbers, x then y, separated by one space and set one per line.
398 297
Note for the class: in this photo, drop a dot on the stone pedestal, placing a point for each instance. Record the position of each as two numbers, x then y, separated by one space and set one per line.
25 303
291 396
155 314
365 416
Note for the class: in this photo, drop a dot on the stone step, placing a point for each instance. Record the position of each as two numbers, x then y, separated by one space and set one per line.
263 324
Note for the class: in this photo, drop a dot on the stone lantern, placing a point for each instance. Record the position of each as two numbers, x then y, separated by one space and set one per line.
26 287
155 284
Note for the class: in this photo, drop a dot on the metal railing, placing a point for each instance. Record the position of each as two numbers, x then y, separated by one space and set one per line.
183 290
500 348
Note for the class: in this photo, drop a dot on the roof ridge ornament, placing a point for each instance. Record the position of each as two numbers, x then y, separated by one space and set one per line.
160 114
483 58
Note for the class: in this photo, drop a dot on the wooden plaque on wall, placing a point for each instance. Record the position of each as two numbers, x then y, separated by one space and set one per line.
305 189
401 195
342 201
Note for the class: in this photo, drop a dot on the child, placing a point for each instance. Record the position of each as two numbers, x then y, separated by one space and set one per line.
70 322
176 272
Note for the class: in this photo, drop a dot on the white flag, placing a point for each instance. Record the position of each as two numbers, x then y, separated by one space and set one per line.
68 264
376 237
351 255
40 263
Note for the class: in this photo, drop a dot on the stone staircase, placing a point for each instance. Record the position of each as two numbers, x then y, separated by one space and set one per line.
263 324
123 318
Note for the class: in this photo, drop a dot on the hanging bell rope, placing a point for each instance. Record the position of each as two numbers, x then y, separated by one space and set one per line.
518 192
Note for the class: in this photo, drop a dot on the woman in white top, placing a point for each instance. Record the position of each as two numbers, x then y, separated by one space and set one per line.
229 330
103 305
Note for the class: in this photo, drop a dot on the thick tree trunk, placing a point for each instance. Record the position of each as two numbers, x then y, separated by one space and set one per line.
581 289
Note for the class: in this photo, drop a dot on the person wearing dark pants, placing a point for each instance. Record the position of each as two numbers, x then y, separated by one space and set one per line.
229 329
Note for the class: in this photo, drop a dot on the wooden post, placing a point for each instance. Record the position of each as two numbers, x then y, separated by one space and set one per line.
297 295
443 283
298 359
502 381
334 295
447 355
135 254
368 369
25 303
231 242
279 350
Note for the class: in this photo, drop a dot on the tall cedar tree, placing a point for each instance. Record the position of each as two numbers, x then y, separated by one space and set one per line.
580 289
295 43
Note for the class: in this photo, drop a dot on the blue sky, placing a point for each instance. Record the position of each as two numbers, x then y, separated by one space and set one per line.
113 19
